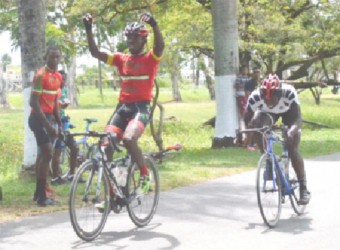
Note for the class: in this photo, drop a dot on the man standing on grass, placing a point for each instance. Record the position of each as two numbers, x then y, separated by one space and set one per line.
137 72
45 110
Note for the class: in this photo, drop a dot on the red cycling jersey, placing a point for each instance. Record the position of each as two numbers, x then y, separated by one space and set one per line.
137 74
47 88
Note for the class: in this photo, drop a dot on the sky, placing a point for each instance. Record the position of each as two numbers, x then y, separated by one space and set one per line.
5 45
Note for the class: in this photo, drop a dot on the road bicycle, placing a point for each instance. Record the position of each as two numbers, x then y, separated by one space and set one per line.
275 178
110 186
85 148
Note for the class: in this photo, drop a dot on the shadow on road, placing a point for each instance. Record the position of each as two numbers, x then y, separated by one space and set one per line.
114 239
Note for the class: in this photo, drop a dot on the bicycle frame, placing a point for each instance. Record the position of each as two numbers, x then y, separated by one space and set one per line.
270 141
102 164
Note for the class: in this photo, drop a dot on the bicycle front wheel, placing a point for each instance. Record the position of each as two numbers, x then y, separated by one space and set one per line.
142 204
294 196
269 191
89 204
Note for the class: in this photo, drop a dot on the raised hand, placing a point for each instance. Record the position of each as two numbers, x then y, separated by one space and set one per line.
148 18
88 20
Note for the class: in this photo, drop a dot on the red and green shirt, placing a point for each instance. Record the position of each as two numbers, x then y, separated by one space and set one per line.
137 75
47 88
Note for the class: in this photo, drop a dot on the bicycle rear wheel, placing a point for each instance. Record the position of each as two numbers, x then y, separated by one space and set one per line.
294 197
269 192
142 206
88 220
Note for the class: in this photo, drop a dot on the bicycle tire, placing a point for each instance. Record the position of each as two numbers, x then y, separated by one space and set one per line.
269 193
64 166
142 207
86 219
294 197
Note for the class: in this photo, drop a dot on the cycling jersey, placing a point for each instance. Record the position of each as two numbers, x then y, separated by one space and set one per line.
137 74
47 88
288 98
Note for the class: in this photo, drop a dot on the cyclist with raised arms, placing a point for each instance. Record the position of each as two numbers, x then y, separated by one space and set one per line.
137 72
277 100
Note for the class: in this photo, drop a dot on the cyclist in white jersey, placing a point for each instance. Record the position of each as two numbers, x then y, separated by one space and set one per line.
274 100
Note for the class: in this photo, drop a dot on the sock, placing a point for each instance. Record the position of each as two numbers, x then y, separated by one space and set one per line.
144 171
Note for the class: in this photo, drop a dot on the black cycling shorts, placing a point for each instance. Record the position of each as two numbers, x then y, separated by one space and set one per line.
40 132
126 112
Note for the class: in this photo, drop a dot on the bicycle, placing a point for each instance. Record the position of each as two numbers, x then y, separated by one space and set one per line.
84 148
275 178
110 186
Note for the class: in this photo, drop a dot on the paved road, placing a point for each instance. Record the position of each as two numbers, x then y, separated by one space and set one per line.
218 214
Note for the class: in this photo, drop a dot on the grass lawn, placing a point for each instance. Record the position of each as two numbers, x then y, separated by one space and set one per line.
183 124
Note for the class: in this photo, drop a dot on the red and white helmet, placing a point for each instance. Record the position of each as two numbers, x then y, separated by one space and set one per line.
270 85
136 28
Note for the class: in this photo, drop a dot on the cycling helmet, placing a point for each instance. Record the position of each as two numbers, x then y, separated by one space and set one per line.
271 84
136 28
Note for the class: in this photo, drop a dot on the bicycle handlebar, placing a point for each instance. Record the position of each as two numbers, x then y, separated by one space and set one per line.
266 130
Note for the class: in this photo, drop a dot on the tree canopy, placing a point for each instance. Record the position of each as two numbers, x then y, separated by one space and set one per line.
301 36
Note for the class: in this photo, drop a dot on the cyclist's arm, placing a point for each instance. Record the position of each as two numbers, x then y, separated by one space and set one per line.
56 112
102 56
158 42
295 113
248 115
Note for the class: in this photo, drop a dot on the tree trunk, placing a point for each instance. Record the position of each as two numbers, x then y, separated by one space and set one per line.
209 79
176 94
224 14
3 92
32 22
71 82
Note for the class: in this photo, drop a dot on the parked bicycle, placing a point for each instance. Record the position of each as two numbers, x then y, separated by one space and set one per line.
85 148
276 178
110 186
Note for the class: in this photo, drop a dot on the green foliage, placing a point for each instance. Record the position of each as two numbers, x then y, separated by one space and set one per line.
279 34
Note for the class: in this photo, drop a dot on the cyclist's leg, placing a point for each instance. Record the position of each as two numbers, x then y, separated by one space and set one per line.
133 132
297 160
116 124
